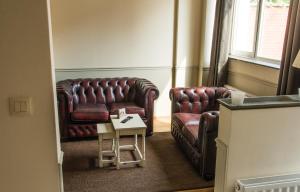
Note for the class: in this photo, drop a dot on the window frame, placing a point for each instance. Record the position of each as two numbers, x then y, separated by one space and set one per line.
257 35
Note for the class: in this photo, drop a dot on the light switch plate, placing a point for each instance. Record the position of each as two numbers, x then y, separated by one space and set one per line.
20 105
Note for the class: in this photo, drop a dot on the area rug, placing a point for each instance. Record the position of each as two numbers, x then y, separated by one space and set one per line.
166 169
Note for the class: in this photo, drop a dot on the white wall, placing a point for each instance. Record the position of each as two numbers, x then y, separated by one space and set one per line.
110 38
112 33
28 160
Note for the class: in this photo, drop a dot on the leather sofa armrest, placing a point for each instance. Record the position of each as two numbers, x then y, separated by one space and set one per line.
226 93
208 131
209 122
147 92
64 91
176 96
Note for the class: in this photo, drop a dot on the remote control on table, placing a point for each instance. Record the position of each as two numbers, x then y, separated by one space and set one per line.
126 119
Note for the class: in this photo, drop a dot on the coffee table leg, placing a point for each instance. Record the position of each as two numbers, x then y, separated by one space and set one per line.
113 149
135 141
113 145
118 149
144 149
100 151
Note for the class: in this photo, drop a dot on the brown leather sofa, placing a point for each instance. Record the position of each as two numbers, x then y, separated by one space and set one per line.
195 124
83 103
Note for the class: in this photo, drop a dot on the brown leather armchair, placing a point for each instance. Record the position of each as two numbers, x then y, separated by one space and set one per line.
85 102
195 124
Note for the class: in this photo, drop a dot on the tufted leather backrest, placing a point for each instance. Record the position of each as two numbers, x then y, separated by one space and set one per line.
197 99
103 91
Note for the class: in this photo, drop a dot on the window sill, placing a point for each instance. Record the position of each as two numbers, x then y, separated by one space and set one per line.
256 62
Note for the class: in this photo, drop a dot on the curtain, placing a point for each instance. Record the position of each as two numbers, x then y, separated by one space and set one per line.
218 71
289 77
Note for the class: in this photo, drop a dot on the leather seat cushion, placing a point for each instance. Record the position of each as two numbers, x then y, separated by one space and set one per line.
190 131
182 119
189 124
90 112
131 108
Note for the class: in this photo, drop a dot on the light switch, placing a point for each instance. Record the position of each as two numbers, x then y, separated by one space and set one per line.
24 106
17 107
20 105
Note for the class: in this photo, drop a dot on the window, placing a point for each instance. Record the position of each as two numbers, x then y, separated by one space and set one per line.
259 28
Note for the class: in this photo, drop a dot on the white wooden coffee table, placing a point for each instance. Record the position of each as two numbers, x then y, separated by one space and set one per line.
133 127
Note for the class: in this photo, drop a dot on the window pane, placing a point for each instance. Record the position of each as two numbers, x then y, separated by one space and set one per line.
273 24
244 25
